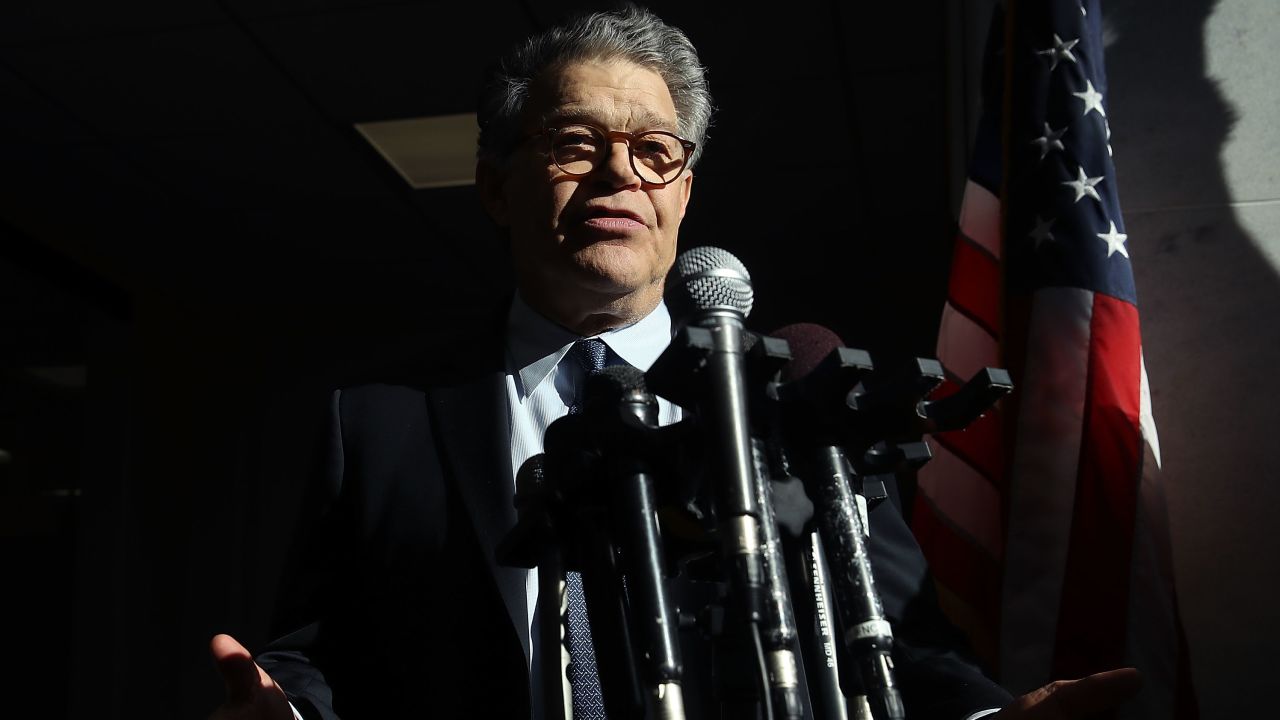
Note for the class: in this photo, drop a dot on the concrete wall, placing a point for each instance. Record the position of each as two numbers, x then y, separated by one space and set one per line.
1194 108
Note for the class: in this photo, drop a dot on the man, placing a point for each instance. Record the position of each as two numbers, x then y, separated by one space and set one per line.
398 608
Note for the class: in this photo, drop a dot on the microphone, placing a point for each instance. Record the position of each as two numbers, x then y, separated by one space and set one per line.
778 628
709 293
626 416
711 290
821 368
532 543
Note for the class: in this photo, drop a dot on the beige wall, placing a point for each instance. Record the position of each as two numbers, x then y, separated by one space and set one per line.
1194 112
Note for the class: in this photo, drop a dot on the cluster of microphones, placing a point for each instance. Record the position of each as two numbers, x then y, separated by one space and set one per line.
761 490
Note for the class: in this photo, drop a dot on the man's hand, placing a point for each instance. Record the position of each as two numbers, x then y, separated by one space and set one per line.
251 693
1075 699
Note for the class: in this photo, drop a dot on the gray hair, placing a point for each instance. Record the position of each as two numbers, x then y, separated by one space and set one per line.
631 33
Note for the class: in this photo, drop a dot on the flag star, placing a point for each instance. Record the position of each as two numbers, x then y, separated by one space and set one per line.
1106 125
1115 241
1050 140
1083 11
1041 231
1061 50
1083 185
1092 99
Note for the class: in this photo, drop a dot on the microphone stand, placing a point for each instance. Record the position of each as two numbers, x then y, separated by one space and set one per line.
804 410
703 370
589 504
534 543
627 418
842 405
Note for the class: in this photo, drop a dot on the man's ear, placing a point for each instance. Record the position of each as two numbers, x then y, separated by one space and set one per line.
489 183
686 187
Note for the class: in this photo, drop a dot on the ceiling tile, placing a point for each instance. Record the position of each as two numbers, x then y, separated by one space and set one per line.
249 170
205 80
60 21
386 63
32 117
428 152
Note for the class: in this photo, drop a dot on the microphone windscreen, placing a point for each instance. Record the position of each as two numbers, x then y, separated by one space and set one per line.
613 383
531 478
810 345
706 279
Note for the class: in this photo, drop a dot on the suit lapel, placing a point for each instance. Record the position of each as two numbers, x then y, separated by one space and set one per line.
471 420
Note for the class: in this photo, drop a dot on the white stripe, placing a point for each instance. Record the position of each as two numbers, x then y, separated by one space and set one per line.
980 217
964 497
963 346
1043 482
1145 418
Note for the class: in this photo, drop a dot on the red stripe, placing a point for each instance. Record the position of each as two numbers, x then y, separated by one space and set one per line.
980 445
957 562
1091 621
974 288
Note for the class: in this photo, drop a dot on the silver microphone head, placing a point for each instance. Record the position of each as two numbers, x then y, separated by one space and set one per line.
709 279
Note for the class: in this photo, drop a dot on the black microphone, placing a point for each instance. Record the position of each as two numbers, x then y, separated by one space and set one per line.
703 369
533 544
625 415
711 289
778 628
809 404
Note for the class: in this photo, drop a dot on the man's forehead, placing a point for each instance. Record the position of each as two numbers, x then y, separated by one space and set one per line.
628 116
615 94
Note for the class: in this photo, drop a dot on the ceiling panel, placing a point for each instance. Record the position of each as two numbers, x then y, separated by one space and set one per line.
83 184
249 170
253 9
31 117
391 62
39 22
188 82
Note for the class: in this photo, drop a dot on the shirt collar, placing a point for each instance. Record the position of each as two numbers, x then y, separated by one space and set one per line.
536 345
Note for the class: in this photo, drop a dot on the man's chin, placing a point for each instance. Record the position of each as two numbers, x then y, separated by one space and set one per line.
608 285
617 269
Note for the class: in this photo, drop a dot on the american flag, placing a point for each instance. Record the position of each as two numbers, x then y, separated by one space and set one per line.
1045 522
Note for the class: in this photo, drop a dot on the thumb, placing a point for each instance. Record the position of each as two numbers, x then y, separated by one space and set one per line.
240 674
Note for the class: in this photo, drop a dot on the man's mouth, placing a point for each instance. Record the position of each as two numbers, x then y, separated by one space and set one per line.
612 219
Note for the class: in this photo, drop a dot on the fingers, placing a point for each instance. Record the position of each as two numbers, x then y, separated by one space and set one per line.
1098 692
1081 698
240 674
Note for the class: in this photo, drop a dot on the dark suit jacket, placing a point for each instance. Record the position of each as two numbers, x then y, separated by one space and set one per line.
396 608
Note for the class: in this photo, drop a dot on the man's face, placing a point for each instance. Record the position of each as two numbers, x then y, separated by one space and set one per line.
604 234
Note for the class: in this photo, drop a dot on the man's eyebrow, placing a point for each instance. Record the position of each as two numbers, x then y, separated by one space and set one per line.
649 119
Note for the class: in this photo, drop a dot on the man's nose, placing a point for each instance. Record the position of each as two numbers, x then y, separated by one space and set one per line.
617 169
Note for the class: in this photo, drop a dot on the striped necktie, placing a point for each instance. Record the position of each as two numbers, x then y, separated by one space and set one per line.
591 354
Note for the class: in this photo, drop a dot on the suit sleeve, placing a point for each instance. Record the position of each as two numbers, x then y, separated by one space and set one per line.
938 676
360 597
319 568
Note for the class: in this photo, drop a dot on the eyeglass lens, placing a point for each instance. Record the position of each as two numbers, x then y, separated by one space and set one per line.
656 156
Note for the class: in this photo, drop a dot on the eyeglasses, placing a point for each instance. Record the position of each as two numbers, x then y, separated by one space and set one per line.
657 156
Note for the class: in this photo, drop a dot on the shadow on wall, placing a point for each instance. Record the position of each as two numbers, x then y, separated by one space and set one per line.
1207 295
